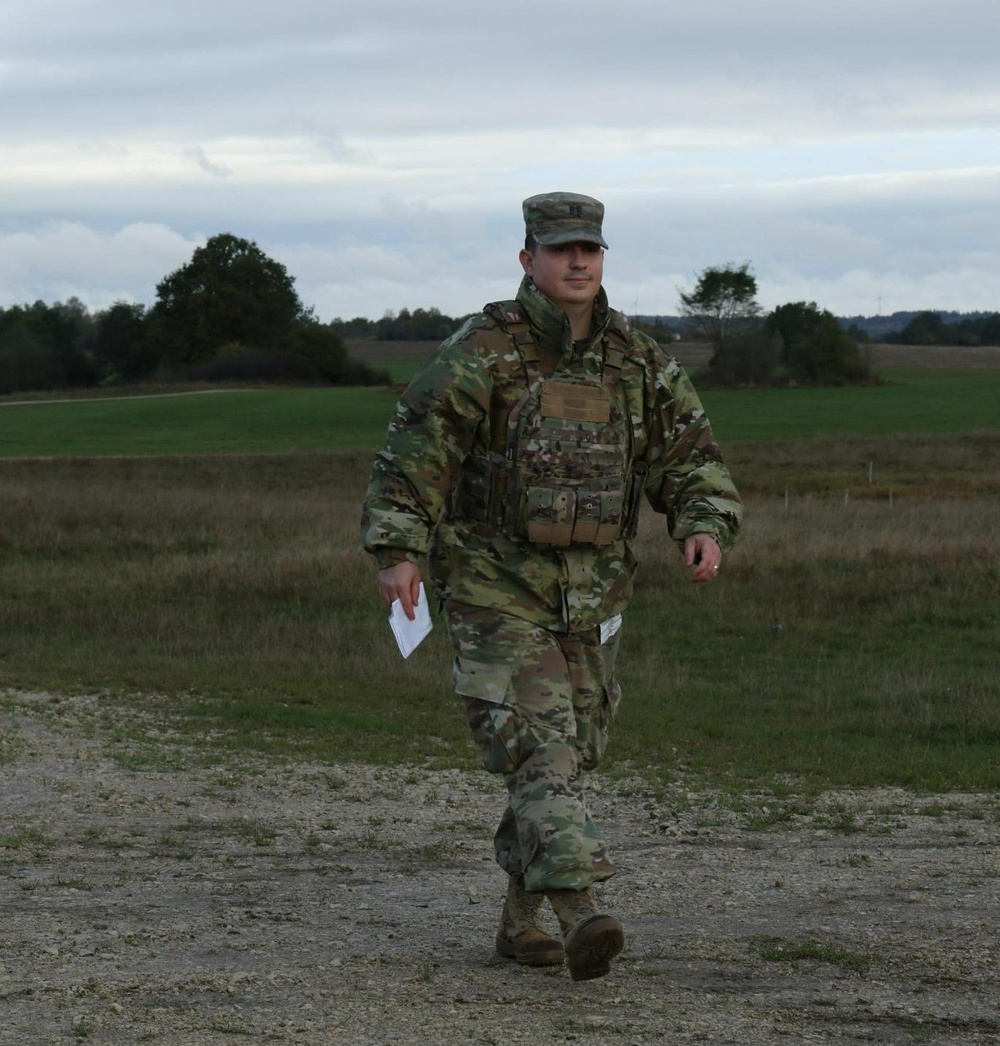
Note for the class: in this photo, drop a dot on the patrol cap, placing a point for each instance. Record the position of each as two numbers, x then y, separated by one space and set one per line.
563 217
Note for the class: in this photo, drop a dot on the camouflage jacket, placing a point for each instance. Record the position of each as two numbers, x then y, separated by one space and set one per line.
444 415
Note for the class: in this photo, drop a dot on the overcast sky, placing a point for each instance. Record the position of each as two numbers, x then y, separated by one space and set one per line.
848 149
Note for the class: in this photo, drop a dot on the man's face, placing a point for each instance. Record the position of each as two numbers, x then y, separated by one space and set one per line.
568 274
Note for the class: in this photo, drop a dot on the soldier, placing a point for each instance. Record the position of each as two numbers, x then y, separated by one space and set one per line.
514 468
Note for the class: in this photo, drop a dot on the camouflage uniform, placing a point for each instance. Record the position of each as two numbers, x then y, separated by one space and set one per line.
536 628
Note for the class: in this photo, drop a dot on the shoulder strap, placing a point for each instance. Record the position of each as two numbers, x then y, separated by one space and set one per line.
513 320
616 337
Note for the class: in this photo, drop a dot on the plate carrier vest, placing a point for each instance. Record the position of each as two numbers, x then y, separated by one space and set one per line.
559 468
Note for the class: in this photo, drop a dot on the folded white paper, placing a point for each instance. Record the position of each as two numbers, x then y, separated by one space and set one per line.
410 634
610 628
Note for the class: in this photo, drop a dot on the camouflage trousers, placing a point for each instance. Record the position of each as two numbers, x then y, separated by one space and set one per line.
539 704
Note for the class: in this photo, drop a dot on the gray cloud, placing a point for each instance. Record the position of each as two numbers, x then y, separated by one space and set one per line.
381 150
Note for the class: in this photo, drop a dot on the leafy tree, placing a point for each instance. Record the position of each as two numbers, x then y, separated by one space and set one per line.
122 348
45 346
319 352
989 329
925 329
723 310
814 346
723 302
26 362
230 292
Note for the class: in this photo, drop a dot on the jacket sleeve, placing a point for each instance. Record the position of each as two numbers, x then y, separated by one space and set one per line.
687 479
429 436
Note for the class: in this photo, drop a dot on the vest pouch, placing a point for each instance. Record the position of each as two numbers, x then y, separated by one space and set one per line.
549 514
598 517
565 516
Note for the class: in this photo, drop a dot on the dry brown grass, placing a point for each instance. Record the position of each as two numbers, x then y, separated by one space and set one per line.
813 529
934 355
694 355
911 466
239 579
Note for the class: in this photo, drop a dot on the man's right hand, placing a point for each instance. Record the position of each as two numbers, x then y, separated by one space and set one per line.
400 581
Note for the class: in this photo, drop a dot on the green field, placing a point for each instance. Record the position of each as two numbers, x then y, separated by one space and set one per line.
198 555
917 401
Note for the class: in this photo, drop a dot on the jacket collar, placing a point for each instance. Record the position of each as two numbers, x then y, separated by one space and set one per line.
551 324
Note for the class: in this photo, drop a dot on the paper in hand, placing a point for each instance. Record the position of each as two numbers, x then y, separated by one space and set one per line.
410 634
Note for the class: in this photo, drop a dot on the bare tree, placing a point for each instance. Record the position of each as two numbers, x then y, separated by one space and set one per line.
723 310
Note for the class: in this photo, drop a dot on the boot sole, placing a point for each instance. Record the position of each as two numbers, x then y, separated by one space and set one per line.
540 954
592 945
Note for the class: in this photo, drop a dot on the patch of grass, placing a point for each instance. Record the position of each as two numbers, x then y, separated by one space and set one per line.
168 845
436 852
777 949
881 671
101 837
867 468
21 838
74 883
281 420
247 829
914 400
840 820
770 815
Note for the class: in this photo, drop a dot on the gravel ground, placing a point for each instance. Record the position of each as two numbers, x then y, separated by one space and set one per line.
151 896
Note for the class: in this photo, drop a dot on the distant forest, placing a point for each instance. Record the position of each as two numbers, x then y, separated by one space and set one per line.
900 328
233 314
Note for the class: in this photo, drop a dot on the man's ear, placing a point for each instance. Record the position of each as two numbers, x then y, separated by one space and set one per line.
526 260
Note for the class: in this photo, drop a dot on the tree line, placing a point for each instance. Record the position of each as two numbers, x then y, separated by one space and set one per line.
233 314
230 314
795 343
434 325
418 325
931 328
798 342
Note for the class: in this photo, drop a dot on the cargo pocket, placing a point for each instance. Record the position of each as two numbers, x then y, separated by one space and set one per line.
495 726
600 724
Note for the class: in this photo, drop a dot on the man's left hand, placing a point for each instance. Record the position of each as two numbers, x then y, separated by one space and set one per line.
702 557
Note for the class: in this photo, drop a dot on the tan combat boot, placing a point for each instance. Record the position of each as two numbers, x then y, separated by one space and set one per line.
591 939
522 935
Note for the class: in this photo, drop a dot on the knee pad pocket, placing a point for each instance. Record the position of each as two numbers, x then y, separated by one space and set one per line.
495 725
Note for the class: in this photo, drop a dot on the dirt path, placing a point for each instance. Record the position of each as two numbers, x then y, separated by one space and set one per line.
154 894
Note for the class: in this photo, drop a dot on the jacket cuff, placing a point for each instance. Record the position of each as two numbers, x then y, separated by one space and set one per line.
389 557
